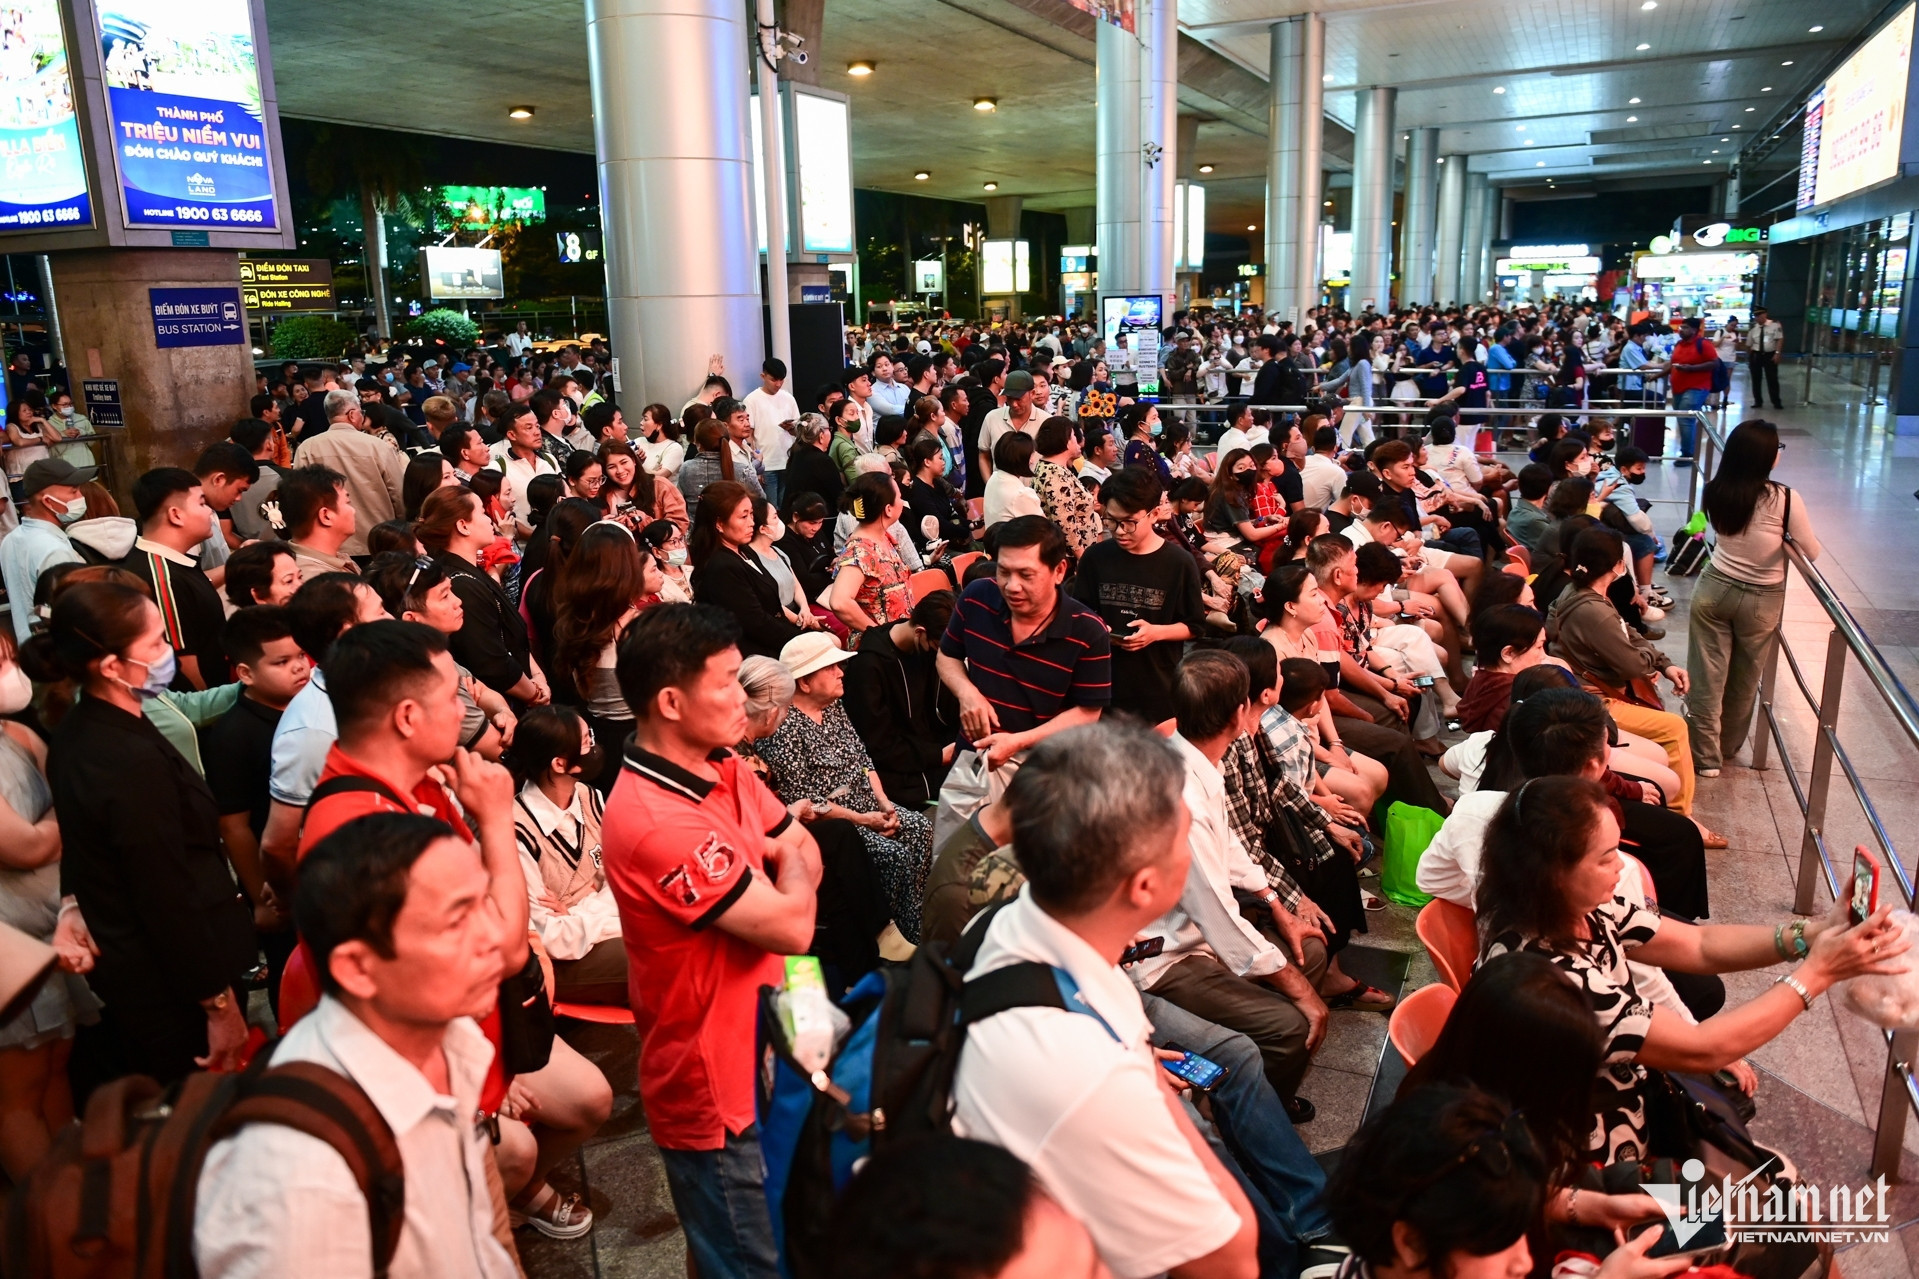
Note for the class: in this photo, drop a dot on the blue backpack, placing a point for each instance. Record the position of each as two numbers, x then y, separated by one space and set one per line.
892 1078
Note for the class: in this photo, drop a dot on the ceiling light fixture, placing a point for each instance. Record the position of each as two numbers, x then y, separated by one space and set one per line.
1750 110
1632 119
1738 126
1725 139
992 186
1632 102
1540 165
1499 88
862 67
1815 30
1252 228
1649 6
1529 141
1786 63
1328 77
1205 168
921 176
519 113
1642 46
1715 150
985 104
1765 88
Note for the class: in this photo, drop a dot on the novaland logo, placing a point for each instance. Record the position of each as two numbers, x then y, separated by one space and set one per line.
1774 1211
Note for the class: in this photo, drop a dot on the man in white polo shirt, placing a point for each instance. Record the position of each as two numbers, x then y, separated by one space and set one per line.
1100 831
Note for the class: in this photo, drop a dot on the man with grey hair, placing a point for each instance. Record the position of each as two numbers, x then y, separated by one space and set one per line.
1100 832
374 469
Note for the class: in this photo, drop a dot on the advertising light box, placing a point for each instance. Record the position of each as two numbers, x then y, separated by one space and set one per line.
185 114
1863 113
456 273
43 169
1005 267
825 148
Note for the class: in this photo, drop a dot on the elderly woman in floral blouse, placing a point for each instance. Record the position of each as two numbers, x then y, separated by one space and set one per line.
815 754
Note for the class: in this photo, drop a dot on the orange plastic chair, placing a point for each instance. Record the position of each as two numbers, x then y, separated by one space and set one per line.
1451 936
975 509
1166 727
1416 1023
926 581
602 1014
963 562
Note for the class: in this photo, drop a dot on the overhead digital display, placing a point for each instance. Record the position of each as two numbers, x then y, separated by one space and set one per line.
185 114
461 273
1863 113
826 173
43 173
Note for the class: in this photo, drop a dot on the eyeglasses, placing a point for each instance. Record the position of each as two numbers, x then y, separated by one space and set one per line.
1131 522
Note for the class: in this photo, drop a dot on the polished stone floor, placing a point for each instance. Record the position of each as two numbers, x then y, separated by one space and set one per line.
1821 1079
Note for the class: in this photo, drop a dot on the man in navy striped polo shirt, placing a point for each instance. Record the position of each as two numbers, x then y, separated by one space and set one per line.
1025 659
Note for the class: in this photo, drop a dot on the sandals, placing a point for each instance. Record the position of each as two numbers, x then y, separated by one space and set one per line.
1362 998
1713 839
560 1217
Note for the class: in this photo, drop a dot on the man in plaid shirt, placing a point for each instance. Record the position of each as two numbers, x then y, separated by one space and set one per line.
1269 778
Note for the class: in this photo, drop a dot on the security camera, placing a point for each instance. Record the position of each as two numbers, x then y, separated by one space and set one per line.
798 55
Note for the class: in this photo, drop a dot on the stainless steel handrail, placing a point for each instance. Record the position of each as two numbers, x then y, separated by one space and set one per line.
1899 1092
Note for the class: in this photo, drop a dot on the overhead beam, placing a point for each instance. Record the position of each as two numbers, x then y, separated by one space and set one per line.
1568 69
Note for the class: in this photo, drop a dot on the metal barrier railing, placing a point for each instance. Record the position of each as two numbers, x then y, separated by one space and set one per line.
1899 1094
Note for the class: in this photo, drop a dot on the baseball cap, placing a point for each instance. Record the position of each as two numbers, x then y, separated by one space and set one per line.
1365 484
49 471
1019 382
461 368
812 651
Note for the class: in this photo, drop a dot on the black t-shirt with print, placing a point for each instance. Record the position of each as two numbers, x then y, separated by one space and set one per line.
1162 588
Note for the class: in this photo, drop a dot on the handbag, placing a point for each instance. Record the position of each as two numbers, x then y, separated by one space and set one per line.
1409 829
526 1020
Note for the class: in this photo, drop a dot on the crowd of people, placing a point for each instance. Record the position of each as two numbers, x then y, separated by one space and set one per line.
438 681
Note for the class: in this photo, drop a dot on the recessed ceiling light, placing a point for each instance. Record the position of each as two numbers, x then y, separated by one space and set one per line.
1540 165
1442 160
1705 162
1499 88
1815 30
1632 102
1520 127
1529 141
1765 89
1750 110
519 113
1725 139
1738 126
1649 5
1786 63
985 104
1328 78
992 186
1205 168
862 67
1252 227
1632 119
1642 47
1715 150
921 176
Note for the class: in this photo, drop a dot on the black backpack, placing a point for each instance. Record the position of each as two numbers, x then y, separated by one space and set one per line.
891 1078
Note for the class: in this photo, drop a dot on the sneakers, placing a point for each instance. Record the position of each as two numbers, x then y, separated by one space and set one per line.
1705 772
1652 613
1322 1258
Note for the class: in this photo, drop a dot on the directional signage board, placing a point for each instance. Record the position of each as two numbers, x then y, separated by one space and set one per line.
102 400
287 284
197 317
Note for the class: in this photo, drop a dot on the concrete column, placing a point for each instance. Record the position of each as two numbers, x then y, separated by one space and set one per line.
1312 134
1420 221
1452 223
772 160
1732 195
1493 202
1003 215
1373 199
1505 218
1284 120
1137 144
1473 239
175 398
1158 23
1081 224
1116 124
669 86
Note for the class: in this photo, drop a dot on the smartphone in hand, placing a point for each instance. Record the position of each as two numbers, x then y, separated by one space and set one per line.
1865 888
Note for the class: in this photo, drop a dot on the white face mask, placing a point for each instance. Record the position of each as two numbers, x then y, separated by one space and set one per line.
775 527
16 690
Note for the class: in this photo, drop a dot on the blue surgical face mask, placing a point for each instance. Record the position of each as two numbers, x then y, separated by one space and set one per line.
73 512
1153 429
160 673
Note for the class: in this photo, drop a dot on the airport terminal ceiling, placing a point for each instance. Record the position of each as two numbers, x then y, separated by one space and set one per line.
1592 89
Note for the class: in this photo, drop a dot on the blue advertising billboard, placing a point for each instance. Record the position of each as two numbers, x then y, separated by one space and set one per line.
43 170
185 114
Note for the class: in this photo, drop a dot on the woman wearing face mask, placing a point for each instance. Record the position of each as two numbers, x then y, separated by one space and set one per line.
557 819
142 854
768 530
667 545
71 426
35 1098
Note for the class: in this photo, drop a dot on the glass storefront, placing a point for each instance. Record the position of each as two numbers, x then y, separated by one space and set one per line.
1852 308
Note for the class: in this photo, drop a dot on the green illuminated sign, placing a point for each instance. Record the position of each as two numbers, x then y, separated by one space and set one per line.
489 206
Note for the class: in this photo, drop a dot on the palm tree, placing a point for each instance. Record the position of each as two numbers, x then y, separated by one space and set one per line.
387 171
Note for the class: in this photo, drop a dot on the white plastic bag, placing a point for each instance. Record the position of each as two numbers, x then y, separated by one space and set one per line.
1889 1000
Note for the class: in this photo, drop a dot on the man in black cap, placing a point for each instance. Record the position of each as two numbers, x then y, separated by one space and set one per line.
50 500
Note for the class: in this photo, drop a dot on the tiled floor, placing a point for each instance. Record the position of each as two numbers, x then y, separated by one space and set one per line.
1820 1080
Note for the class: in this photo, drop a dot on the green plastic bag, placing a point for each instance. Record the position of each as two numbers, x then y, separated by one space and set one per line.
1409 829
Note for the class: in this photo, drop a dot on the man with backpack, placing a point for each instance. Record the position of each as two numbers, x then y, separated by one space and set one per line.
1101 832
393 909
